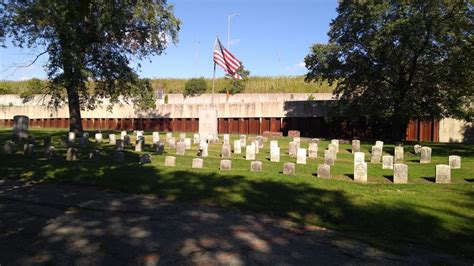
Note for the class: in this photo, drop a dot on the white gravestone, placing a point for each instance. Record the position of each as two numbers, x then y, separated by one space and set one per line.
208 122
180 148
333 147
112 139
443 173
301 156
329 157
71 137
255 166
170 161
187 141
169 135
250 152
226 139
454 161
182 136
156 137
425 155
335 142
226 165
379 143
255 144
324 171
273 143
292 148
398 154
313 150
376 154
387 162
98 138
243 140
355 145
204 149
289 168
400 173
360 172
225 151
237 147
196 138
123 134
197 163
275 154
359 157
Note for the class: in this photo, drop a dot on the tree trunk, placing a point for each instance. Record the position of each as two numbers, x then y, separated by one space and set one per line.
75 120
399 127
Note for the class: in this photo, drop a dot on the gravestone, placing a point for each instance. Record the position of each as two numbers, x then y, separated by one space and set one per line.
139 133
398 158
9 147
170 161
313 150
417 149
335 142
297 140
112 139
360 172
243 140
180 148
197 163
171 142
289 168
123 134
454 161
273 144
86 135
333 147
359 157
425 155
379 143
204 149
187 141
329 157
49 152
119 145
237 147
255 144
155 137
28 149
260 142
71 137
196 138
387 162
255 166
275 154
226 139
94 155
443 173
47 141
118 155
301 156
72 154
20 127
139 146
98 138
250 152
169 135
355 145
226 165
208 122
400 173
376 154
182 136
145 158
160 148
315 140
226 151
292 148
324 171
293 133
126 140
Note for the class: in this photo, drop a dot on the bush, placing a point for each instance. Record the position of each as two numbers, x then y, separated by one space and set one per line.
195 86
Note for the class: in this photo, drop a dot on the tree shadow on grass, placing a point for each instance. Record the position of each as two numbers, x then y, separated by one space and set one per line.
430 179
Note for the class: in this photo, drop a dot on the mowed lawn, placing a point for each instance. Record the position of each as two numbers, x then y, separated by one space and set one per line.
396 217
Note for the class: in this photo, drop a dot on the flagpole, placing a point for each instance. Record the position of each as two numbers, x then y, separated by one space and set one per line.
213 84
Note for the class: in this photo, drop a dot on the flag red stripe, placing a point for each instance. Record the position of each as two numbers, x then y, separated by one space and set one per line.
226 60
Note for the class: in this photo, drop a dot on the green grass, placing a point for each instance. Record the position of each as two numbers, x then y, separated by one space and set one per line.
291 84
397 217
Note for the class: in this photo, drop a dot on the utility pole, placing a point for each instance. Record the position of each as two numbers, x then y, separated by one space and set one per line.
196 59
228 30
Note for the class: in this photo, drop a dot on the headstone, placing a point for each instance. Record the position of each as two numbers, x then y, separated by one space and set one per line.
172 142
180 148
226 139
187 141
443 173
329 157
98 138
425 155
9 147
335 142
313 150
118 155
360 172
273 144
398 158
86 135
324 171
208 122
94 155
196 138
112 139
119 145
47 141
237 147
169 135
387 162
255 144
126 140
49 152
376 154
204 149
63 141
275 154
243 140
139 133
226 151
123 134
72 154
142 139
160 148
297 140
455 161
139 146
293 133
314 140
359 157
226 165
417 149
301 156
333 147
400 173
71 137
83 141
255 166
289 168
197 163
20 126
28 149
145 158
250 152
379 143
260 142
292 148
155 137
170 161
355 145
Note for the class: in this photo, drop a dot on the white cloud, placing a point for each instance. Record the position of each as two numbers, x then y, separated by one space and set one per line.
25 78
295 67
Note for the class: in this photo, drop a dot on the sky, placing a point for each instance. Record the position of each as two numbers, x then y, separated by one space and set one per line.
271 38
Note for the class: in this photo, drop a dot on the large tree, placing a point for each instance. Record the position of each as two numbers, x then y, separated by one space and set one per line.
400 60
90 44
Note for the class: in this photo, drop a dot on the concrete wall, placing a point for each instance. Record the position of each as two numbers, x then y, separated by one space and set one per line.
453 130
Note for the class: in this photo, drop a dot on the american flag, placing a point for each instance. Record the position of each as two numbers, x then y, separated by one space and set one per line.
226 60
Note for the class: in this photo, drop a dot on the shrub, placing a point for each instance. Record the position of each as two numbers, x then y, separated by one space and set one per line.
195 86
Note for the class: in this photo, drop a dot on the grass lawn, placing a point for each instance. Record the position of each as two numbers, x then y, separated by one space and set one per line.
397 217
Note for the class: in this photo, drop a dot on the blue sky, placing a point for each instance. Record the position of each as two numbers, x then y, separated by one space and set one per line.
271 38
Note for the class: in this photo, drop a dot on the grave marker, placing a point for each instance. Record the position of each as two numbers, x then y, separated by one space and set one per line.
425 155
180 148
255 166
170 161
313 150
398 158
387 162
301 156
145 158
250 152
324 171
360 172
20 127
355 145
226 165
400 173
197 163
226 151
72 154
112 139
275 154
376 154
443 173
237 147
454 161
359 157
289 168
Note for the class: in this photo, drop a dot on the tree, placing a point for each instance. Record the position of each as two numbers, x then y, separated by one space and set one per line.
234 85
195 86
90 46
400 60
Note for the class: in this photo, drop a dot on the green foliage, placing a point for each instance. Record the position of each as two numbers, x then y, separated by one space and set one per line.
195 86
234 85
311 97
399 60
166 99
5 89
